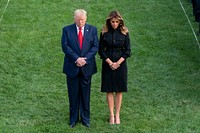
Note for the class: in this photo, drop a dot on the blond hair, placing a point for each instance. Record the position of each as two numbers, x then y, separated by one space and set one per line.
80 12
107 26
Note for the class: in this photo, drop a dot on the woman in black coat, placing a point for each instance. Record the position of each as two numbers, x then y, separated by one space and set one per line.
114 48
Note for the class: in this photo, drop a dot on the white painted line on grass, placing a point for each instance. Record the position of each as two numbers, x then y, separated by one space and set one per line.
190 23
4 10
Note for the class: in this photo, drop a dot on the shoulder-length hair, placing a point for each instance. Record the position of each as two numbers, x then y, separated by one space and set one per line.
107 26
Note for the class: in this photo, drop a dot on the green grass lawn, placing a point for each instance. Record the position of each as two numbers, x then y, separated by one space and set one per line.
164 69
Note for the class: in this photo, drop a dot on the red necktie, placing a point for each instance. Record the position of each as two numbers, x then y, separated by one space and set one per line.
80 37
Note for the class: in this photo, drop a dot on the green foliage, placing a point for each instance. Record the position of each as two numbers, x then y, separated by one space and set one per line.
163 74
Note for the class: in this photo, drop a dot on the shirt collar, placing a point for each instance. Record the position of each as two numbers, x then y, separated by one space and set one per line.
78 28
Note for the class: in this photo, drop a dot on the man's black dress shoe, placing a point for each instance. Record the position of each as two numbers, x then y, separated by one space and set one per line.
86 124
72 125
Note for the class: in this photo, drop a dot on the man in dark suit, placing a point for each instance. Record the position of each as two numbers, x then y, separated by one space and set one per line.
196 9
80 45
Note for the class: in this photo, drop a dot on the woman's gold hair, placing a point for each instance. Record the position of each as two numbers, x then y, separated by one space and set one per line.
107 26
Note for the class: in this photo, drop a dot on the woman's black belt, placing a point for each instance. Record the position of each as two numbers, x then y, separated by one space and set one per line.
114 49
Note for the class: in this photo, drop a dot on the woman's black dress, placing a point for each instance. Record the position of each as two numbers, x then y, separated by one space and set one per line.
114 45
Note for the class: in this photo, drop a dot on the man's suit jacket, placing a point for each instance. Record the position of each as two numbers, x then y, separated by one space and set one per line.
71 48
